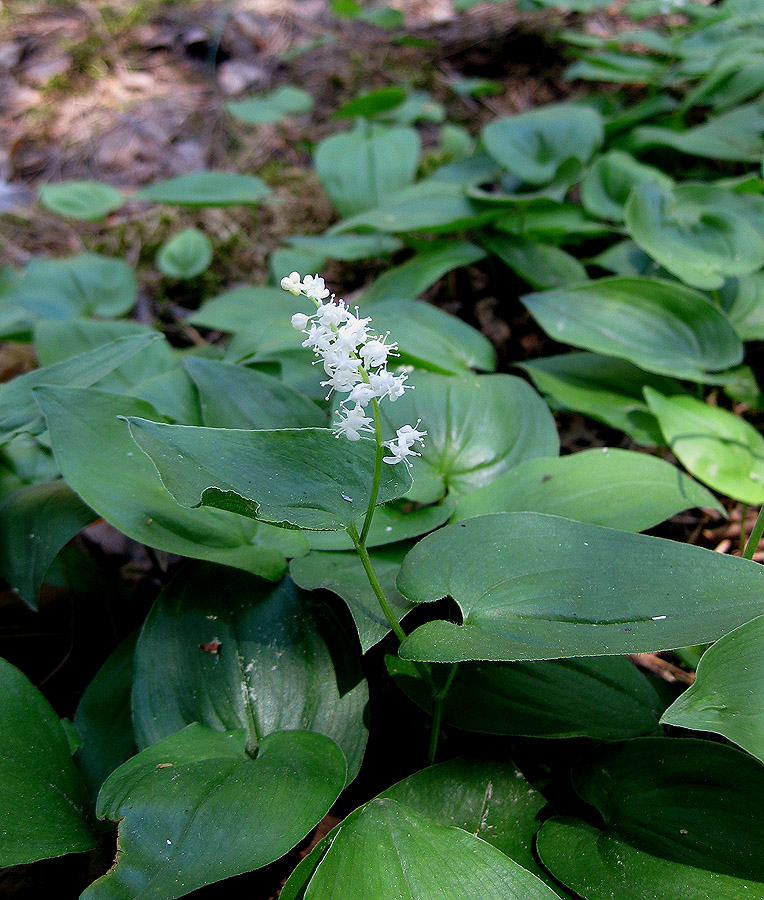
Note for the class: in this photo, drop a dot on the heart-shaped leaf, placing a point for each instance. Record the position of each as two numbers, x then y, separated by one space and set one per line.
230 651
207 189
719 448
300 477
615 488
680 819
89 201
660 326
532 586
611 178
185 255
195 808
42 797
100 461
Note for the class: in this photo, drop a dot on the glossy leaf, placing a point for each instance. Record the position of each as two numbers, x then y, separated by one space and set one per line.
103 718
389 851
185 255
478 426
342 573
658 325
533 586
274 106
36 521
605 698
89 201
176 799
742 299
602 486
679 819
101 462
42 797
533 145
603 387
359 168
230 651
611 178
207 189
726 695
541 265
240 308
719 448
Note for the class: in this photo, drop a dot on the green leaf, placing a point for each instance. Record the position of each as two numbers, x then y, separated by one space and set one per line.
185 255
726 695
541 265
103 718
359 168
533 145
679 819
382 16
207 189
611 178
699 236
42 797
346 247
236 397
605 698
609 487
605 388
626 258
36 521
89 201
343 574
390 851
533 586
240 308
413 277
100 461
19 412
742 299
716 446
231 651
540 219
298 477
274 106
195 808
660 326
372 103
56 340
478 426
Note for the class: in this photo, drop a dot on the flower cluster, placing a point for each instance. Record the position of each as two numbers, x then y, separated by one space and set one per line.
355 362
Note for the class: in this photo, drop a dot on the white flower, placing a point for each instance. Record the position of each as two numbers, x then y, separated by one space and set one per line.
400 448
292 283
361 393
354 422
386 384
330 315
299 320
375 353
314 287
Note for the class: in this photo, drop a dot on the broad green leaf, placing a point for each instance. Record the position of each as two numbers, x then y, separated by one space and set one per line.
541 265
430 338
231 651
237 397
545 220
42 797
18 410
478 426
101 462
698 236
719 448
185 255
418 106
240 308
56 340
533 145
603 387
274 106
605 698
615 488
347 247
412 278
36 521
726 695
626 258
391 852
742 299
89 201
294 477
680 818
207 189
195 808
611 178
103 718
660 326
533 586
342 573
372 103
361 167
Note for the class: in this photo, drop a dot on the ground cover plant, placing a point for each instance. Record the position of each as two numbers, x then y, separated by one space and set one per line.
378 623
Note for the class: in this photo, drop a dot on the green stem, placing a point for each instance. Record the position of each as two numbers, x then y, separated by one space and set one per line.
753 540
437 714
741 536
375 585
377 467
